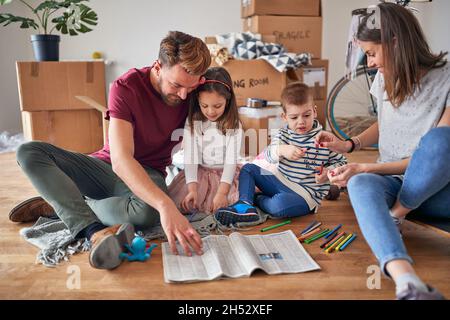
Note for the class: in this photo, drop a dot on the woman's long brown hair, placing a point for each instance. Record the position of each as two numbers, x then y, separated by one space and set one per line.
406 54
229 120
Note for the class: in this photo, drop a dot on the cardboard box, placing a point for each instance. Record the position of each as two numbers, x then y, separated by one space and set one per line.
280 7
75 130
297 34
255 79
53 85
102 110
258 125
315 76
264 38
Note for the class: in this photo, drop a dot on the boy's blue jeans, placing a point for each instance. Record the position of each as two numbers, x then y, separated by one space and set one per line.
276 199
425 188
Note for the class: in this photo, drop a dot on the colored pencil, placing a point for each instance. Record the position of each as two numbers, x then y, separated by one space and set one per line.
327 242
317 236
307 235
335 229
276 225
318 224
348 242
330 248
343 241
335 239
309 226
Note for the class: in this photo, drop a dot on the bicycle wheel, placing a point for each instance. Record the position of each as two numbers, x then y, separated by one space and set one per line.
350 108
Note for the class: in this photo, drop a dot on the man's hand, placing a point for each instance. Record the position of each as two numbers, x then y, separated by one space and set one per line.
177 227
291 152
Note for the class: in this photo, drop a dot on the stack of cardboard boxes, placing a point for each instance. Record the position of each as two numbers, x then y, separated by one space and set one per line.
297 25
50 110
254 78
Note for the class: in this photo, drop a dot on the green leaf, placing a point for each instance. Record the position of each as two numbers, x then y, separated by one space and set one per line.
48 5
87 17
7 18
67 3
2 2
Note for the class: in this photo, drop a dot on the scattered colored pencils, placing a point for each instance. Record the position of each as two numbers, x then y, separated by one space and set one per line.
308 227
317 236
315 226
309 234
334 244
276 225
332 231
347 242
343 242
334 240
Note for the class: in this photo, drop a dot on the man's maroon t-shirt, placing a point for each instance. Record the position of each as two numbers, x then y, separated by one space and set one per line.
133 98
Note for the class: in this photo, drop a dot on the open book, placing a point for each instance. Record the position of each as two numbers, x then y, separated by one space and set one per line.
238 255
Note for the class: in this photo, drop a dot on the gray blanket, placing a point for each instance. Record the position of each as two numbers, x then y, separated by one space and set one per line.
54 240
56 244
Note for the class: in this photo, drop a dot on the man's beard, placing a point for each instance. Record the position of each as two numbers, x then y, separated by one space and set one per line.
170 99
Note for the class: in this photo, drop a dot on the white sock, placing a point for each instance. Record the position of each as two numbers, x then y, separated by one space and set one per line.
402 281
396 220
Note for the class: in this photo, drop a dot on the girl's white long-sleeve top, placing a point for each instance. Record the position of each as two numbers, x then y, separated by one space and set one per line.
209 147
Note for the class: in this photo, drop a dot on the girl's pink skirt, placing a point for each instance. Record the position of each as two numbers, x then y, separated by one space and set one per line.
208 183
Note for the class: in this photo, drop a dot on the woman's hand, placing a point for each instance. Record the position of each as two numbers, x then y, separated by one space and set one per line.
190 201
328 140
340 175
291 152
219 201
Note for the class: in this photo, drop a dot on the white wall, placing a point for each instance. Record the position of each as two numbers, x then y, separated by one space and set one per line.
129 32
14 45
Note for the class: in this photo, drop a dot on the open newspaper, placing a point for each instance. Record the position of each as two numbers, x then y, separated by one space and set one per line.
238 255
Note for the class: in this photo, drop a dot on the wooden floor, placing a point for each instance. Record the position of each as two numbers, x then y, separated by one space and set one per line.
343 275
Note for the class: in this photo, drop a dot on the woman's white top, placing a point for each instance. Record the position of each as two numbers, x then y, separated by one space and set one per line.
402 127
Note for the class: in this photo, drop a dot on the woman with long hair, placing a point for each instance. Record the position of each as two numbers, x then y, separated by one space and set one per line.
412 88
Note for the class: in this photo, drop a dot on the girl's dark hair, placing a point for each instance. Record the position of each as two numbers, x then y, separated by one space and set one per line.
229 120
406 54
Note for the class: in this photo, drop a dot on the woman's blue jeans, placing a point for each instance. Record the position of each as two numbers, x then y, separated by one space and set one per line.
425 188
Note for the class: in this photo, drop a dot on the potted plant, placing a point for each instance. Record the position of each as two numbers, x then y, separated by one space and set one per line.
68 17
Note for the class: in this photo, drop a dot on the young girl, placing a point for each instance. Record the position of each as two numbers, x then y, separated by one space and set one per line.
412 88
212 143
